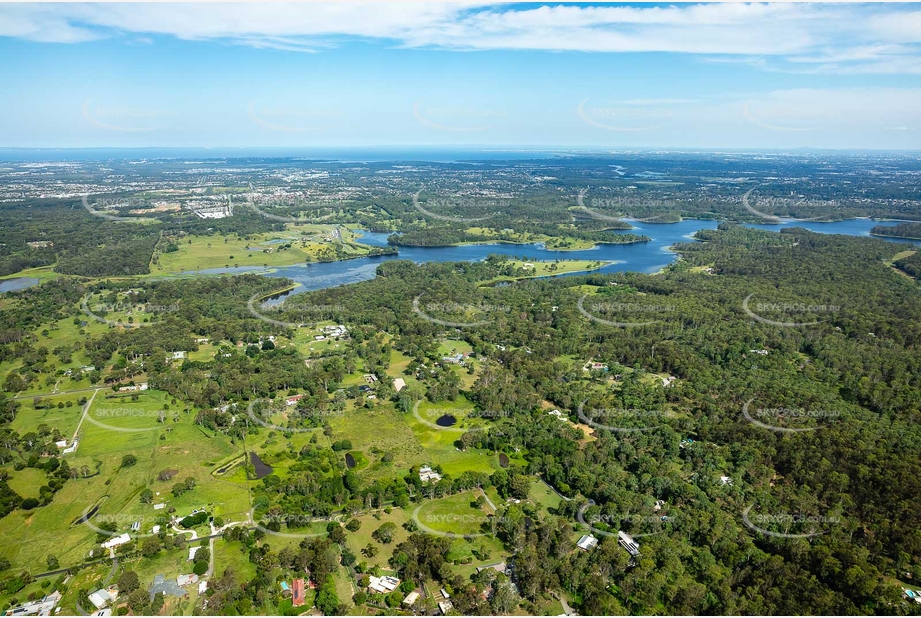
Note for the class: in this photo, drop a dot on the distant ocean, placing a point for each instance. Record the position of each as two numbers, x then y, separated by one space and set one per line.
358 154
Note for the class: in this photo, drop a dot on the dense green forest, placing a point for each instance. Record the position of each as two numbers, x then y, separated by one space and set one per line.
901 230
852 479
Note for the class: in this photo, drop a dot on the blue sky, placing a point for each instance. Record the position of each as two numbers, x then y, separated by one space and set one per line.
526 75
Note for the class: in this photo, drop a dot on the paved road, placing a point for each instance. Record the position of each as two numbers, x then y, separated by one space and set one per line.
569 611
105 583
553 489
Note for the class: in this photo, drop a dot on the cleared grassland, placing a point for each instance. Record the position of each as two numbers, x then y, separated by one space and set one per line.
453 515
297 244
30 536
543 496
383 429
439 444
362 537
64 419
27 482
232 555
201 252
549 268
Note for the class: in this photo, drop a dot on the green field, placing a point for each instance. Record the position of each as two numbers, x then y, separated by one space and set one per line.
308 242
124 427
27 482
557 243
231 555
453 515
369 523
548 268
439 444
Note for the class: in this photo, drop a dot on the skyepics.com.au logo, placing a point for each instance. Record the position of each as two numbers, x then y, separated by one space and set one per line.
288 200
291 411
643 525
621 420
100 206
457 315
625 204
629 116
291 118
454 525
274 522
488 206
126 119
99 415
622 310
122 528
776 117
788 525
784 204
772 418
778 309
94 311
442 420
462 119
310 312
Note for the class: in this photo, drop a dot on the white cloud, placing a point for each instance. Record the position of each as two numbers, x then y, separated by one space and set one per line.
832 37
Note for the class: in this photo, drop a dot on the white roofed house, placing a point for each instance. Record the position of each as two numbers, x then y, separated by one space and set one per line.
116 541
40 607
626 541
427 474
411 598
587 542
102 597
383 585
559 415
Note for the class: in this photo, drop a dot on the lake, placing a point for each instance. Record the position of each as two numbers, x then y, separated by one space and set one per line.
648 257
17 283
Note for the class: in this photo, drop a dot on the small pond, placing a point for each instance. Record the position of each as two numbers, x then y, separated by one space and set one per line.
446 420
262 469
